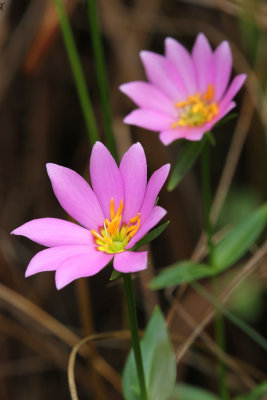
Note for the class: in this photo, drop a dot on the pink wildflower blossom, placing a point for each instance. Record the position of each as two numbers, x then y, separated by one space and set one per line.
186 93
117 212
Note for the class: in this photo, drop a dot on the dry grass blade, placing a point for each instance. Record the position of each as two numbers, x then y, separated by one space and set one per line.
16 301
21 38
44 39
115 335
47 349
247 270
85 309
229 361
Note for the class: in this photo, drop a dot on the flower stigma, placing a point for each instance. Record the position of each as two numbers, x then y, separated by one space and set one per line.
114 237
197 109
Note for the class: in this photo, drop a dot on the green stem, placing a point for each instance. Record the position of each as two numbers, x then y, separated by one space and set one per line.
219 323
128 286
101 74
207 197
77 71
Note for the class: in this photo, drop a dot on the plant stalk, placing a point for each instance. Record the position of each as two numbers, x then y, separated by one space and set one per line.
128 286
101 74
77 72
219 322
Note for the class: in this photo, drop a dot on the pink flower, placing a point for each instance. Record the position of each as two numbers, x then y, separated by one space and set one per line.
186 93
117 213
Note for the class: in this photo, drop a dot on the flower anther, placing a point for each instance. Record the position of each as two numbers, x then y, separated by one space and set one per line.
114 237
197 110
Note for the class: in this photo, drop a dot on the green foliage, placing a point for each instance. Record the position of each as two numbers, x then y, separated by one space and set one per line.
247 300
190 153
181 272
235 244
239 203
250 31
186 159
226 119
159 363
115 275
256 394
188 392
225 253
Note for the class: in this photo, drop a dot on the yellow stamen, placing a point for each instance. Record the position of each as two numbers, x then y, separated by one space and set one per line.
209 94
96 235
114 224
197 109
113 237
135 219
120 208
131 234
112 208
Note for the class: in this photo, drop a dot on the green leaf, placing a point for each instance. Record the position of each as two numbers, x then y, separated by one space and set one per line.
150 236
229 250
235 244
188 392
159 363
239 203
255 394
209 135
115 275
247 300
226 119
186 159
181 272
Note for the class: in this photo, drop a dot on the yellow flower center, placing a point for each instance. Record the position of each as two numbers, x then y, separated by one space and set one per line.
113 237
197 109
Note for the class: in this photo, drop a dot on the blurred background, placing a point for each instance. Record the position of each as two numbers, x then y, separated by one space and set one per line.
41 121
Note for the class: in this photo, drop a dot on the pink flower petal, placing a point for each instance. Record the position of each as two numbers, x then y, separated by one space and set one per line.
197 134
154 185
75 196
149 97
148 119
106 178
182 60
81 266
170 135
204 62
162 73
129 261
49 259
155 216
134 174
223 67
228 109
234 87
52 232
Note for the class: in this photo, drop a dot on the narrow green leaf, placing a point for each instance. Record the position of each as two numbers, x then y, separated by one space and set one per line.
159 363
115 275
209 135
186 159
77 71
181 272
226 119
188 392
151 236
235 244
101 74
255 394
